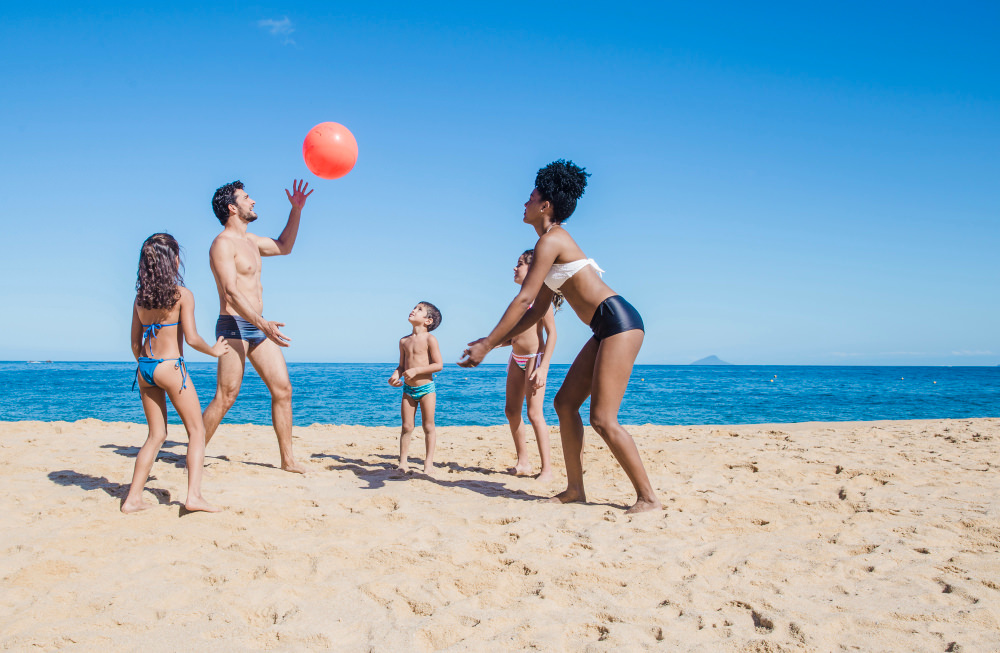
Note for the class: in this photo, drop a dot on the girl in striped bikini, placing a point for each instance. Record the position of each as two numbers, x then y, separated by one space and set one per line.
163 315
527 369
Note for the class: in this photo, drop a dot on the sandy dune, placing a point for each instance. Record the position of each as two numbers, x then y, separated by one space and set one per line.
874 536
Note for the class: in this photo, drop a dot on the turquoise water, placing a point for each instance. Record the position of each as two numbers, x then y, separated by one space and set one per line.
657 394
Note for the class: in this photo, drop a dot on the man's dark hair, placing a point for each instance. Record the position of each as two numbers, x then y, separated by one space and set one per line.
561 182
433 313
224 196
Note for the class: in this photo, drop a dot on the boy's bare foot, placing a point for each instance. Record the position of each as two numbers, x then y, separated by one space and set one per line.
429 471
520 470
294 467
199 504
545 477
569 496
644 505
129 507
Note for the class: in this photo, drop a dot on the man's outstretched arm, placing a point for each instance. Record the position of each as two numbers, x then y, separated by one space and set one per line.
283 244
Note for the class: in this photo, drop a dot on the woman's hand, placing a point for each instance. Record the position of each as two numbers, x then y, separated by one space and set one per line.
475 353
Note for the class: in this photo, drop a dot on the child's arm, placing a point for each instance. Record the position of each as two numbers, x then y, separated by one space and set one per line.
541 372
394 380
433 357
191 331
136 332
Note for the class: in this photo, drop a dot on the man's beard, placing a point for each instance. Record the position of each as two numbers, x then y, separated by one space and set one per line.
248 217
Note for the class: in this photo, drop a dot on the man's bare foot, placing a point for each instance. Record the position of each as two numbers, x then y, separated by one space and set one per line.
294 467
199 504
569 496
129 507
545 477
429 471
644 505
520 470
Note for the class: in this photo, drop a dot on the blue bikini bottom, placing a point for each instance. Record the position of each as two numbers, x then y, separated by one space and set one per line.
148 365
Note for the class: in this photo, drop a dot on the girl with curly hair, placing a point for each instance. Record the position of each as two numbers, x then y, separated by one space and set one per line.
163 314
602 368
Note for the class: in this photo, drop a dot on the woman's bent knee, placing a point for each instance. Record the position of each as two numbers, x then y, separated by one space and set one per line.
564 405
605 425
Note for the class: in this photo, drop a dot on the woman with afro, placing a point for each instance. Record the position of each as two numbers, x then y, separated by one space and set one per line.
602 368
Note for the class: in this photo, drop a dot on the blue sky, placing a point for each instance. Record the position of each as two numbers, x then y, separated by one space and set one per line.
792 184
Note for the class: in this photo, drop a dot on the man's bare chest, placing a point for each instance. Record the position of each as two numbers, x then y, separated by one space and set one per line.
247 260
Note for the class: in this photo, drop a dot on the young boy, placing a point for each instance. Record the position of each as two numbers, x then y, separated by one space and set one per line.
419 359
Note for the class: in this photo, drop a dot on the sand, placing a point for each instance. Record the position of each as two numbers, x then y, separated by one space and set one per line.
872 536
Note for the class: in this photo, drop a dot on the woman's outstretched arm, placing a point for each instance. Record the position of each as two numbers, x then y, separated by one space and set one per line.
517 317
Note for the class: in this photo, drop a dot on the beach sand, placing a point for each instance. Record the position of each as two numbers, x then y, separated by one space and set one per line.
872 536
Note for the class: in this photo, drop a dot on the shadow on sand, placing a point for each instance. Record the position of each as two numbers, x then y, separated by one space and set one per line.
376 474
178 460
67 477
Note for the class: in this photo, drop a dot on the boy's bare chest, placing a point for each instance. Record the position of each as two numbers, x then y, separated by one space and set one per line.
416 349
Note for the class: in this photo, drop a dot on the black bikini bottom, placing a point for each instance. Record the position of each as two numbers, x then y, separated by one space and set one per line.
614 316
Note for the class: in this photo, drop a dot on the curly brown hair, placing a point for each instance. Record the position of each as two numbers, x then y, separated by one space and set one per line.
159 274
561 182
528 256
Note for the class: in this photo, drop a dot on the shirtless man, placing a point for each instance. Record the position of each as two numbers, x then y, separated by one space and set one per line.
235 257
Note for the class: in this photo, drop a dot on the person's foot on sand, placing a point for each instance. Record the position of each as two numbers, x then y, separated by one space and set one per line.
545 477
129 507
198 504
429 471
294 467
401 471
644 505
524 469
569 496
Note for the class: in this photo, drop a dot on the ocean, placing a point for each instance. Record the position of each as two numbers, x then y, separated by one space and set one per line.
336 393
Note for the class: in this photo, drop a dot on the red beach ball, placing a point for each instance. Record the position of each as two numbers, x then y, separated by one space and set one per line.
330 150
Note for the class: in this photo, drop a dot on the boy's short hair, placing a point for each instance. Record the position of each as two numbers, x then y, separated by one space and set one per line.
434 314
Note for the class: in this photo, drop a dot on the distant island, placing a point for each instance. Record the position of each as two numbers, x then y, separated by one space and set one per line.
710 360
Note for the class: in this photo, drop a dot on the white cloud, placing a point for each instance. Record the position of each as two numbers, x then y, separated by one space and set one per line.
279 28
966 352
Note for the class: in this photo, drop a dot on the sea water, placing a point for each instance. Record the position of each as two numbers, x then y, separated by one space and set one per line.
335 393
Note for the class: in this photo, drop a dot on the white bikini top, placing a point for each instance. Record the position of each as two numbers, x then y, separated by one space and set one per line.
560 272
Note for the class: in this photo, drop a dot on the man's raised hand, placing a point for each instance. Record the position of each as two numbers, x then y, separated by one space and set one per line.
298 198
